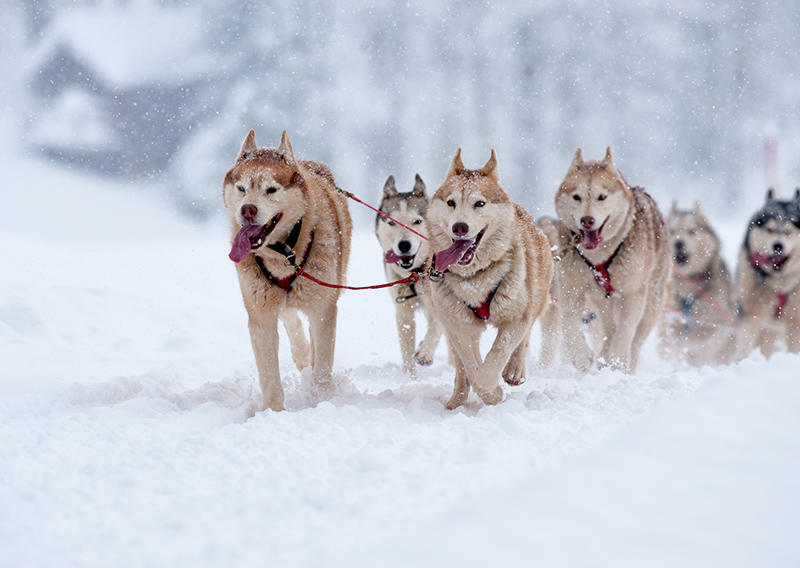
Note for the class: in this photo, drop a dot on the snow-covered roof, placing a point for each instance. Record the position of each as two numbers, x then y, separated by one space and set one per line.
133 44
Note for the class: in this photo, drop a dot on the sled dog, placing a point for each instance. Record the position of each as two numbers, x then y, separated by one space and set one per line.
405 253
287 213
698 326
495 268
614 262
768 278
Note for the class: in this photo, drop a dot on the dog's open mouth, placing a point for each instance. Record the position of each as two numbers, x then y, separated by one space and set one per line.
773 261
251 237
405 261
462 251
591 238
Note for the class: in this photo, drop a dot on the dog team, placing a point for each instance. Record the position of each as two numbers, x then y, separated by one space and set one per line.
599 277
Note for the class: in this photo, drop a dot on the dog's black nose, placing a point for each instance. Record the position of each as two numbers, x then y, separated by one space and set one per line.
404 246
680 245
249 211
777 248
587 222
460 229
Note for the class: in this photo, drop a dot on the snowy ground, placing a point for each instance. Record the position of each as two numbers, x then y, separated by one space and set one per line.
128 434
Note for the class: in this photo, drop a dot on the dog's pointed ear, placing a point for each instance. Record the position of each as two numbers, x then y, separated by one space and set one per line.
490 168
248 146
577 160
797 194
608 161
389 188
456 166
419 187
698 211
609 158
770 195
285 149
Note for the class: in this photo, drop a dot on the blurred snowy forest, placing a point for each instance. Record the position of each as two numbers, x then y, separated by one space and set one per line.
685 92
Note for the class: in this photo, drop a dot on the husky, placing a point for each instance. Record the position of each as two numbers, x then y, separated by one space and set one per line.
492 265
768 279
698 326
406 253
614 262
287 215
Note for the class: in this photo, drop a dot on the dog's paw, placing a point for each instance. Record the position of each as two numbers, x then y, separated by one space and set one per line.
410 369
423 358
514 373
491 396
456 400
581 360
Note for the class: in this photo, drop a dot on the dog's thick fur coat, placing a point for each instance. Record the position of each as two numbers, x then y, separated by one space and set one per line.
279 203
497 270
405 253
768 279
614 261
698 326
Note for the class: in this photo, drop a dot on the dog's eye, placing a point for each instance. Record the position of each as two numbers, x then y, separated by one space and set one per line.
240 188
601 197
576 197
418 221
272 189
451 203
480 203
391 223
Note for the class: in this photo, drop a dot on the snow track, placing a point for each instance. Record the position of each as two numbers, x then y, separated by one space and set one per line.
128 431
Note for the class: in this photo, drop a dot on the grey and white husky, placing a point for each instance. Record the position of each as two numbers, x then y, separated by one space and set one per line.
405 253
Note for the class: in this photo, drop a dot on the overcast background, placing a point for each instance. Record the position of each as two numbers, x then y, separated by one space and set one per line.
162 93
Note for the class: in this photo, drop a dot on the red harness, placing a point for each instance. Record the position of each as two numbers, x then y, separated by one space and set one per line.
782 298
600 271
482 311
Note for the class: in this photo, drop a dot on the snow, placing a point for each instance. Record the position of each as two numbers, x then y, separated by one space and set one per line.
128 434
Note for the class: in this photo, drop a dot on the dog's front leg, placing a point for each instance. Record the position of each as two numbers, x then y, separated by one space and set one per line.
617 346
263 327
509 338
297 338
460 384
424 355
465 346
550 323
406 333
322 325
574 346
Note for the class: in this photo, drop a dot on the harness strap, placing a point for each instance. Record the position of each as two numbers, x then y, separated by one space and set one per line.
412 286
287 249
600 271
482 311
779 307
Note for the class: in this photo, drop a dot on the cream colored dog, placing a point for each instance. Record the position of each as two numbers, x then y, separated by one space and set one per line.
287 213
614 261
496 269
699 325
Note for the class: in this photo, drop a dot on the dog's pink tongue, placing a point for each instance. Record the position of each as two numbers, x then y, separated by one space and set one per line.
391 257
241 242
445 258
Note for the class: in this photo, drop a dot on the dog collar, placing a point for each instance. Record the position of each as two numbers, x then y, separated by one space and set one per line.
600 271
412 288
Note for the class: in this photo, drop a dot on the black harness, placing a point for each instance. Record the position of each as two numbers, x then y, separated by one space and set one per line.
286 249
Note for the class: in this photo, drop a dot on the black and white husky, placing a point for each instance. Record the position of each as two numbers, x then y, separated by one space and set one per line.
405 253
